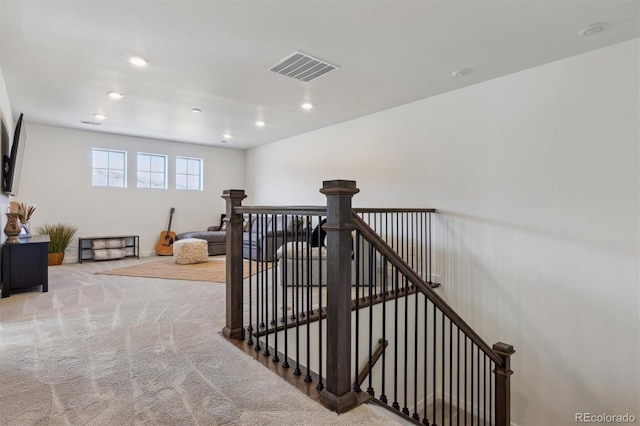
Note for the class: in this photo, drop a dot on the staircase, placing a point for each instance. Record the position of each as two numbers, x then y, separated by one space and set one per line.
360 319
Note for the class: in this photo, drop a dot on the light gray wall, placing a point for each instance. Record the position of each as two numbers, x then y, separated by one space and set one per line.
56 176
536 177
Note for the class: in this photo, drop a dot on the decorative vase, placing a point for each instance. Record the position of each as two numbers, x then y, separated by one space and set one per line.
12 228
54 259
25 231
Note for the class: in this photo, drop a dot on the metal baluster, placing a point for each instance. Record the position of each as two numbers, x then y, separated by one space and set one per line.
307 378
320 384
405 409
465 379
450 370
435 367
416 416
442 367
250 327
458 377
492 367
425 418
285 290
383 396
430 271
274 303
484 391
478 373
472 380
395 341
372 271
258 346
296 312
358 257
265 286
413 241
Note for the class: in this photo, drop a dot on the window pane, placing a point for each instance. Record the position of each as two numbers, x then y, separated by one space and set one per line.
194 167
157 180
99 177
181 165
194 182
181 181
157 164
116 178
144 162
100 159
143 180
116 160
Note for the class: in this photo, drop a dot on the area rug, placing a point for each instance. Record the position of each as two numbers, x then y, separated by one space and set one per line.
213 270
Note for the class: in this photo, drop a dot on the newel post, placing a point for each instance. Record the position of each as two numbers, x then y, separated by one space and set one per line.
234 327
503 384
337 394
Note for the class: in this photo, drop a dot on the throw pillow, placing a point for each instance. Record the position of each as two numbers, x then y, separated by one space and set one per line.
318 235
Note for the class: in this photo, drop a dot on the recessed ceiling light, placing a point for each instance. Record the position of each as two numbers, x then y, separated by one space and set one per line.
100 116
226 136
260 123
196 110
307 105
138 61
461 73
115 95
593 29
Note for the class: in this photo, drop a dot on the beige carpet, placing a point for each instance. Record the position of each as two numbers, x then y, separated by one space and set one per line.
213 270
116 350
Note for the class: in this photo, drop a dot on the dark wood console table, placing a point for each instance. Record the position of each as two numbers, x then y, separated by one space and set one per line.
24 264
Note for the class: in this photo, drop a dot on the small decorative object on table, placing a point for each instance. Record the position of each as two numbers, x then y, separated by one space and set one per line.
25 211
12 228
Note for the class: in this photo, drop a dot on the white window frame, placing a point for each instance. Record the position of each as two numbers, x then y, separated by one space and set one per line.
151 172
110 171
188 174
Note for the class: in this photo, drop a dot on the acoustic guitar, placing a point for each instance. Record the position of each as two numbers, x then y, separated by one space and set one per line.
165 243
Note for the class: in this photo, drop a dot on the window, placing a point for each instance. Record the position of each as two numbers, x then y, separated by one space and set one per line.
152 171
109 168
189 173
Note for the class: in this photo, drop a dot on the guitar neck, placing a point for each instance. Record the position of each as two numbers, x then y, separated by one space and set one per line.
170 219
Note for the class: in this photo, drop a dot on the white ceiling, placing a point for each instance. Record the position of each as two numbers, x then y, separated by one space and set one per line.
60 58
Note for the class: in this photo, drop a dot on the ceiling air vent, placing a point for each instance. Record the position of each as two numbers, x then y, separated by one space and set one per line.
303 67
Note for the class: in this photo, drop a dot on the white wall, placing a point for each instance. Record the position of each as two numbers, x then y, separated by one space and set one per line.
536 177
56 176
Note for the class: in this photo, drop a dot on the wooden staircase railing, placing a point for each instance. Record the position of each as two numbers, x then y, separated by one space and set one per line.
306 324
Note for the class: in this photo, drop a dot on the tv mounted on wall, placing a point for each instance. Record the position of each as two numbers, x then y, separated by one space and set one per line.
12 164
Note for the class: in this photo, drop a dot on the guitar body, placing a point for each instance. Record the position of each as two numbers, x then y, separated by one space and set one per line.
165 242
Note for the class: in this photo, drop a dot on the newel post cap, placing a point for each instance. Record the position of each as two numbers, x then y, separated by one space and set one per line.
234 193
339 187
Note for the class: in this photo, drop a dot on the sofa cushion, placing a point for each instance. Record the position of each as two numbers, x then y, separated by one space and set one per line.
210 236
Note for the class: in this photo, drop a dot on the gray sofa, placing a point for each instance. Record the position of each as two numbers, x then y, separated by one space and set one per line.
263 238
216 239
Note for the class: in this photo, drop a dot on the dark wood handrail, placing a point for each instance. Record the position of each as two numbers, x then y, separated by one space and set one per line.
374 239
284 210
392 210
322 210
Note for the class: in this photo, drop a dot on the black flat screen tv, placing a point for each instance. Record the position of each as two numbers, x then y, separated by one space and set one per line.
12 164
